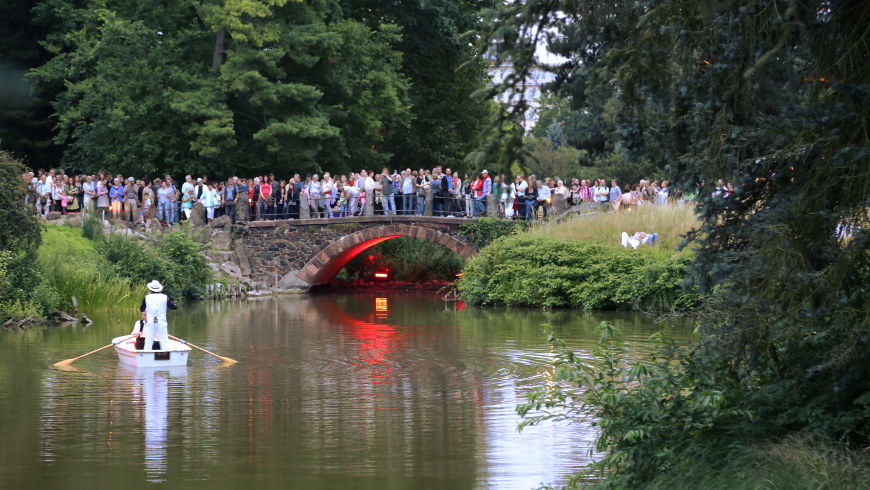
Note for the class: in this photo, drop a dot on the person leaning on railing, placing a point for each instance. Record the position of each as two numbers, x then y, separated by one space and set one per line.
362 194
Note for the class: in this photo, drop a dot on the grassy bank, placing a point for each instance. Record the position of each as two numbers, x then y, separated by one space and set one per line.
73 267
110 272
792 463
670 222
580 264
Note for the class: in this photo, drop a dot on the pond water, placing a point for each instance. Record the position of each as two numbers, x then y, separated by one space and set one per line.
364 391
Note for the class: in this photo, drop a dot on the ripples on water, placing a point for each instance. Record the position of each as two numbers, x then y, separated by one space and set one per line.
333 391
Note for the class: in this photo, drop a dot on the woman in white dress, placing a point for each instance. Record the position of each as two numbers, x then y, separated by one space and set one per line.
209 200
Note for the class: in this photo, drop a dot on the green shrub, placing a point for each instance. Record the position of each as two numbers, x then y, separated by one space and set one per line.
15 302
485 230
526 270
16 309
662 422
92 227
189 268
176 262
19 224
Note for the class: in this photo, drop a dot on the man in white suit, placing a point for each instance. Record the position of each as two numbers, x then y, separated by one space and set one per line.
155 305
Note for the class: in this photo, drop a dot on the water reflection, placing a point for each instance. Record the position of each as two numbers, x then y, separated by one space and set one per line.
148 390
363 391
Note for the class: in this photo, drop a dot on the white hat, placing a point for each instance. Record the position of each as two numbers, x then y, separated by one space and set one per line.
485 172
155 286
199 179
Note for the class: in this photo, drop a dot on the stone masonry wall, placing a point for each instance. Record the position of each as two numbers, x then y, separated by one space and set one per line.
274 252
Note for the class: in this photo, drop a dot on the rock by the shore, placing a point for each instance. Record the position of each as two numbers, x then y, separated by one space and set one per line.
221 222
197 215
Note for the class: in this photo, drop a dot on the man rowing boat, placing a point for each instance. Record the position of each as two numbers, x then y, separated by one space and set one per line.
154 306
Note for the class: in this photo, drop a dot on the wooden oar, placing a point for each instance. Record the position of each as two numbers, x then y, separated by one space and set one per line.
66 362
226 360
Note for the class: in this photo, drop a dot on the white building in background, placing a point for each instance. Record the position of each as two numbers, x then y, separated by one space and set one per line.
534 84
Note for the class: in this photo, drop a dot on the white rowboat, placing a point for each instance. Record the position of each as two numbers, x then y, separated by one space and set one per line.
172 353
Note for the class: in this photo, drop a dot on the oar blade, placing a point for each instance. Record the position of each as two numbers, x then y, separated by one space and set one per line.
65 366
227 361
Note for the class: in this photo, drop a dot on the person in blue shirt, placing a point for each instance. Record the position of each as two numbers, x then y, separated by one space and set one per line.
116 197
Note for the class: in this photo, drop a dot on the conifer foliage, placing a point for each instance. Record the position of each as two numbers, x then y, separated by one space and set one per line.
205 86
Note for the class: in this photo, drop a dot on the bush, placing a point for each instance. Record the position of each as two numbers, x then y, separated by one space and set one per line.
526 270
665 422
189 269
15 302
486 230
19 225
92 227
176 262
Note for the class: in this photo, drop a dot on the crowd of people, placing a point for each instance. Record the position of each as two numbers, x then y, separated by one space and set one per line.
315 196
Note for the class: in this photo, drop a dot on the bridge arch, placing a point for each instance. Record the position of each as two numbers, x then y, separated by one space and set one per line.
325 265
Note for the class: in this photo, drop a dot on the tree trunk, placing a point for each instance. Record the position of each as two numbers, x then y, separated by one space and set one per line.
217 57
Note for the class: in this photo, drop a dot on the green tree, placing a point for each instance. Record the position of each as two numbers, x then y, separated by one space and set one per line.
774 98
221 87
443 72
545 161
23 292
19 224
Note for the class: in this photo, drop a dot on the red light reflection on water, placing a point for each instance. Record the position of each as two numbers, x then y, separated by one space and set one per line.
382 308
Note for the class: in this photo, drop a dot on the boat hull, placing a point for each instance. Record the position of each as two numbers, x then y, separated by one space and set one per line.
171 354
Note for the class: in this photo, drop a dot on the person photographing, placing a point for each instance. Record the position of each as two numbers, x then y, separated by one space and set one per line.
154 305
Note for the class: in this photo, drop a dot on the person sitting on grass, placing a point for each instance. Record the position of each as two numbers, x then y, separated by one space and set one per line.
639 238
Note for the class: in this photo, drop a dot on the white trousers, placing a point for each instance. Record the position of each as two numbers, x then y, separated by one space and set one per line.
156 331
627 240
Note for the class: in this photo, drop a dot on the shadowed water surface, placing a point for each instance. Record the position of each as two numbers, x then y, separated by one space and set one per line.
334 391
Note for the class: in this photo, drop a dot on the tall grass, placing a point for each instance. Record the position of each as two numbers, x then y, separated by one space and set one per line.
793 463
71 265
670 222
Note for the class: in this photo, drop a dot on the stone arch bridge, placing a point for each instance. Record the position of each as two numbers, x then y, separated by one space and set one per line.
299 254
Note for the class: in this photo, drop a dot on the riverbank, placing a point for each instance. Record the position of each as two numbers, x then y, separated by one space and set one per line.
89 270
581 264
793 463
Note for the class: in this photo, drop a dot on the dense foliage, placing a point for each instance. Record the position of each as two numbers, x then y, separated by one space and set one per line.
591 141
406 259
247 86
485 230
19 225
526 270
175 261
111 271
443 71
71 265
200 86
23 290
774 97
